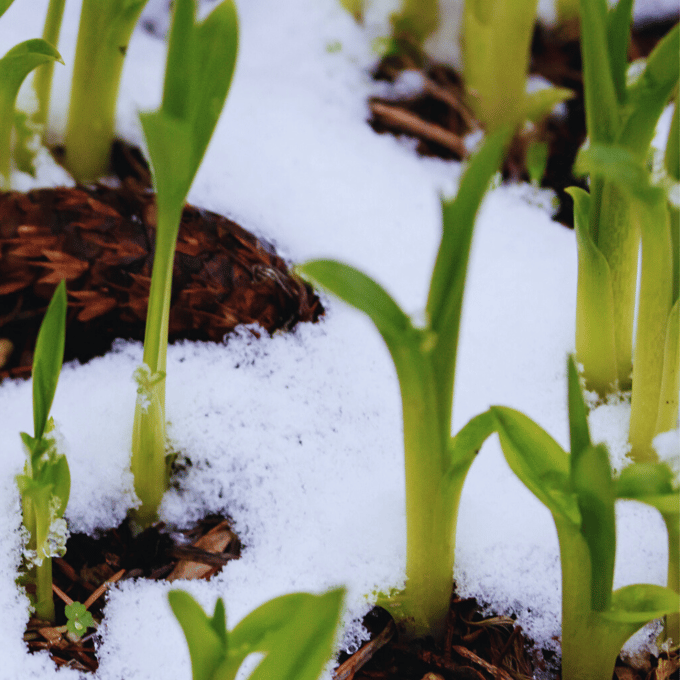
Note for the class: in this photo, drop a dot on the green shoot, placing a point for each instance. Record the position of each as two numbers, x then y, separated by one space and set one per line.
654 402
103 35
14 67
425 358
496 48
200 64
580 493
295 632
656 485
78 620
608 236
43 76
46 482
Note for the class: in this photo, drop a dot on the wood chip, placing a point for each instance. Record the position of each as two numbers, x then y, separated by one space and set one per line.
215 541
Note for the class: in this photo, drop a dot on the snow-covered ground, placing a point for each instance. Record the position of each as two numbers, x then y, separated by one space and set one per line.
298 437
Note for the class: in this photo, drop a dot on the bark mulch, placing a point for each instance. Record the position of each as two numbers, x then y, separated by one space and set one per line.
100 239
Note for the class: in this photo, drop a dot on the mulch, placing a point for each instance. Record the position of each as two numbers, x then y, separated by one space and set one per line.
100 239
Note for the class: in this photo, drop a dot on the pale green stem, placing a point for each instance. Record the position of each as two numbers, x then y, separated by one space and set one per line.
496 42
417 19
655 302
38 527
148 444
618 238
430 514
100 52
588 652
43 76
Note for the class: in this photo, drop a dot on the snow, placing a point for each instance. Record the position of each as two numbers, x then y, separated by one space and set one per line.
298 436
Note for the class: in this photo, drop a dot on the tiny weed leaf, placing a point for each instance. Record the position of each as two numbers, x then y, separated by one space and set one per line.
578 417
206 646
78 618
539 462
592 481
49 355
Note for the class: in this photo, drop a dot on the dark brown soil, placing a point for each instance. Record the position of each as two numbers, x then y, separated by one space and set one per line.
91 565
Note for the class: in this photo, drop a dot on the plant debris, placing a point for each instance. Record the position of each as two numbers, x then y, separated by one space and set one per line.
439 119
92 565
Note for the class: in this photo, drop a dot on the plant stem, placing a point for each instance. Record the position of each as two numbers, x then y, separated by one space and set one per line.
103 35
656 288
618 238
431 515
588 653
149 437
43 76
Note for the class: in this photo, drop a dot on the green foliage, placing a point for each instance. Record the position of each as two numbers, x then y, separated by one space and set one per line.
200 65
621 118
46 482
78 619
103 35
14 67
425 359
296 633
496 50
580 492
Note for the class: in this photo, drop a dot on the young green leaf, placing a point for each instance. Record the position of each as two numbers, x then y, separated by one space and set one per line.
206 638
360 291
539 462
49 355
14 67
200 65
78 619
591 479
639 603
578 415
618 36
595 338
4 6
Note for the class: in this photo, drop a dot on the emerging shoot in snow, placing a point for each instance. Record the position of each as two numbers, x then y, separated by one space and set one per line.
14 67
612 219
103 35
295 632
580 493
46 482
425 359
200 64
496 49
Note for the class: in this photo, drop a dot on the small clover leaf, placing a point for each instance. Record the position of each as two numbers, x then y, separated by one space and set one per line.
79 619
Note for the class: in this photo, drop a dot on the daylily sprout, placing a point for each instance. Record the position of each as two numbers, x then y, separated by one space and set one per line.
295 632
580 493
46 482
425 359
200 64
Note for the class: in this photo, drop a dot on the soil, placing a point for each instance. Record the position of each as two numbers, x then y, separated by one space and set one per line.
100 239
